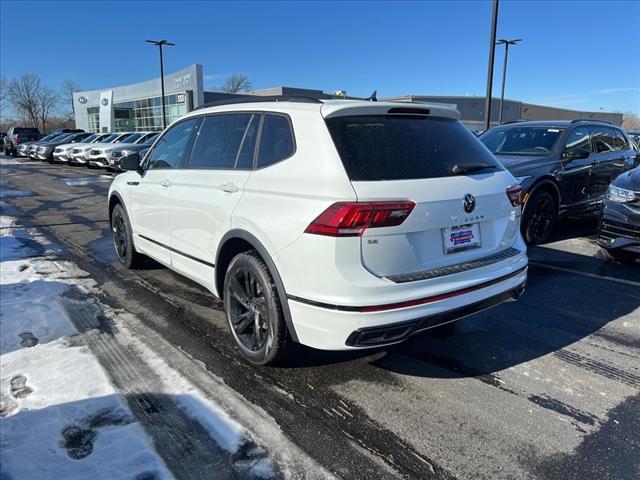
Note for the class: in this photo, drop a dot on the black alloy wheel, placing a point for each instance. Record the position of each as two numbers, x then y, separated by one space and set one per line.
540 216
122 238
253 310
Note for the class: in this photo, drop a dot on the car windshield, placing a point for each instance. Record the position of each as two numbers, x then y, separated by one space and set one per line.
109 138
519 140
89 139
401 147
64 137
150 139
132 138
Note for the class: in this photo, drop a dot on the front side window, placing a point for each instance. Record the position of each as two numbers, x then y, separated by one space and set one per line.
276 140
218 141
132 138
578 142
170 149
603 139
521 140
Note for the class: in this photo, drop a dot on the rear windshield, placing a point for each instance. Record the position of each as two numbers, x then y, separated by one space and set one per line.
395 147
521 140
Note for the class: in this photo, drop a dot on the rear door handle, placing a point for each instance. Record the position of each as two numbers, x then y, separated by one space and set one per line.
229 187
165 182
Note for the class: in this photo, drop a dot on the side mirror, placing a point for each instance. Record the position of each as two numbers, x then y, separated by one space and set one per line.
131 162
576 154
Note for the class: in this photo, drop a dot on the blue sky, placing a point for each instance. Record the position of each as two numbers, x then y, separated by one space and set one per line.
575 54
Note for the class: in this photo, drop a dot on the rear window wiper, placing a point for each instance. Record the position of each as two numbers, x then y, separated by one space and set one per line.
458 169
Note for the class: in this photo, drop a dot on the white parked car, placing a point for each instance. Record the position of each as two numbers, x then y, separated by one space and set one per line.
80 153
338 224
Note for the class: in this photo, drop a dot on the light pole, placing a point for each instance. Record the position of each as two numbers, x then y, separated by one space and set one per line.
506 44
492 50
159 44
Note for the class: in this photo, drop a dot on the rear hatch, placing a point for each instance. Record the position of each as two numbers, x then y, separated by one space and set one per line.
436 162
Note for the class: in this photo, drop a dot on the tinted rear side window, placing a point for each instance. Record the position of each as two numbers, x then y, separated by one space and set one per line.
218 141
392 147
25 131
276 140
603 139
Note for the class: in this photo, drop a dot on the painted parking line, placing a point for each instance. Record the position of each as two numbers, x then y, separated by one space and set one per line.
586 274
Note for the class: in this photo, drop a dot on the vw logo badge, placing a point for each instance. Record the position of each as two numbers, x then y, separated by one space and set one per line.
104 101
82 99
469 203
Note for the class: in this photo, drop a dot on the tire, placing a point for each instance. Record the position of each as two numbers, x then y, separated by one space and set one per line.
13 152
253 310
123 238
540 215
620 256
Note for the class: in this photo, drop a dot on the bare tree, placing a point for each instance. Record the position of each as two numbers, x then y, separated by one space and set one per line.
235 83
630 121
69 87
3 96
47 100
22 94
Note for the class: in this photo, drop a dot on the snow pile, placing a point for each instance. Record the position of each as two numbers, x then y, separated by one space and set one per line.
60 417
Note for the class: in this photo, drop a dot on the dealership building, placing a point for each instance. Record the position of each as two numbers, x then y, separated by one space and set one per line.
138 106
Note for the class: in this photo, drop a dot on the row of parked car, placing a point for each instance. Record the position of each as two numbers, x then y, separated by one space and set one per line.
77 147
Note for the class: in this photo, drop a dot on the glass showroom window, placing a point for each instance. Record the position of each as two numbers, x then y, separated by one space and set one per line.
146 114
93 117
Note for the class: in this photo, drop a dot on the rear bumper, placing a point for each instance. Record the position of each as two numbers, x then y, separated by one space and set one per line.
345 328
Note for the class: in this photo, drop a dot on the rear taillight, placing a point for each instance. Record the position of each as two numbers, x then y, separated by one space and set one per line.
351 219
514 193
16 139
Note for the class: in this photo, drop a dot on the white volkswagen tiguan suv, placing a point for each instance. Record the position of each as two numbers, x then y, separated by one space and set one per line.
337 224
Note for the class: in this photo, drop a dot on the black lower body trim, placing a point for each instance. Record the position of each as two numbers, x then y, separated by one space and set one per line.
190 257
397 332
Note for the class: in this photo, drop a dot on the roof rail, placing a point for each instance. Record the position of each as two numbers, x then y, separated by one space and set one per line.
589 120
511 121
257 99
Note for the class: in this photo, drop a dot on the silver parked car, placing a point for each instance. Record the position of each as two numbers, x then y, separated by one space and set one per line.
99 155
61 152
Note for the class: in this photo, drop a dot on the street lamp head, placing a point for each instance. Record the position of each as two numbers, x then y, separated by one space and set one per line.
504 41
160 42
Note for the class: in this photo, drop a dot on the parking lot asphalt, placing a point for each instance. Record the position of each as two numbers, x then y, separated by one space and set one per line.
545 387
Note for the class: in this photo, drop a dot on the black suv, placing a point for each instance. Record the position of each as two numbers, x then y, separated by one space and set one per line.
17 135
564 167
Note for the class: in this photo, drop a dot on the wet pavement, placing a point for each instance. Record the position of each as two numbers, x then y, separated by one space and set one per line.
546 387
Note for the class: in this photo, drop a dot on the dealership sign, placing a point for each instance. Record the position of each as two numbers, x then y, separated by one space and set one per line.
82 99
180 98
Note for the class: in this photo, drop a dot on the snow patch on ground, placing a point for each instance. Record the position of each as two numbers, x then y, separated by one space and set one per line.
60 415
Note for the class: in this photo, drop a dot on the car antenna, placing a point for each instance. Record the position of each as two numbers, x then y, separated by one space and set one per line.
373 97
